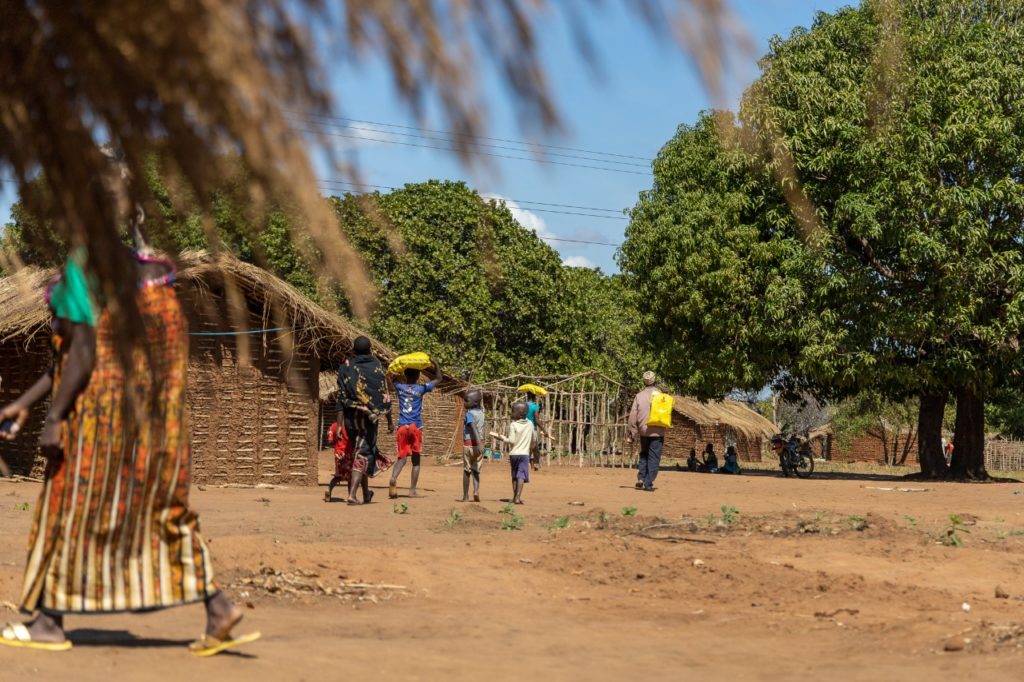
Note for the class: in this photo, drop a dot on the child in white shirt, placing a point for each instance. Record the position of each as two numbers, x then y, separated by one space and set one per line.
520 437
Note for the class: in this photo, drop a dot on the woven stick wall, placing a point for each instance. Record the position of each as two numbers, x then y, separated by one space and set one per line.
1004 455
585 414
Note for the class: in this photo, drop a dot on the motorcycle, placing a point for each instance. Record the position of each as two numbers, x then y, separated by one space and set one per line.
795 456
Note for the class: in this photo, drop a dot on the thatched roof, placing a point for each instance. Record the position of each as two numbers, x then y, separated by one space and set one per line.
729 412
327 334
23 312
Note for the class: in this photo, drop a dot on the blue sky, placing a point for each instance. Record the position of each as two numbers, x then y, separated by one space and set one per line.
644 90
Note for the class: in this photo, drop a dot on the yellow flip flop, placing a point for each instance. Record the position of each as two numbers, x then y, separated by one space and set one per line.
19 636
209 646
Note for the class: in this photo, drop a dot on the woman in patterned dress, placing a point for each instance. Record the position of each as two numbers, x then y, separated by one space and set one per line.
113 530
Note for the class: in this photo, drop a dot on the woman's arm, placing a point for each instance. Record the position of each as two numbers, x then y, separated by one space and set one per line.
540 424
18 410
81 358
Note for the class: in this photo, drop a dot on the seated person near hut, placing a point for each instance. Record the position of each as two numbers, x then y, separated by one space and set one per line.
691 462
710 463
732 463
410 425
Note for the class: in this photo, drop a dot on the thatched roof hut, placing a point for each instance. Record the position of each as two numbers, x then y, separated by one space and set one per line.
720 422
23 313
254 374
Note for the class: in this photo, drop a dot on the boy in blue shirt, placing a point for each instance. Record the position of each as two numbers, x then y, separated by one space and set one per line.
472 443
410 425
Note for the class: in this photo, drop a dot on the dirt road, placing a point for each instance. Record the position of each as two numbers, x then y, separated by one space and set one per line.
818 579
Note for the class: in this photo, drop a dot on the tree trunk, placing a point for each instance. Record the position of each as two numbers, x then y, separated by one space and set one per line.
969 437
885 447
908 445
929 435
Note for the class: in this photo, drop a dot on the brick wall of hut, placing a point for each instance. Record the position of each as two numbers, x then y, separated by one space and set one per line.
252 422
868 448
687 433
249 425
21 363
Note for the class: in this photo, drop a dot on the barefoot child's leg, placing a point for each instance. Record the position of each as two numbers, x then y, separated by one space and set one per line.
415 474
476 482
393 485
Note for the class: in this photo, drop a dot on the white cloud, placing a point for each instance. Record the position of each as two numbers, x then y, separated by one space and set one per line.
528 219
578 262
533 222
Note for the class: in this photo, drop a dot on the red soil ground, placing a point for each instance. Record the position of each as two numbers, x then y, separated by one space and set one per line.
817 579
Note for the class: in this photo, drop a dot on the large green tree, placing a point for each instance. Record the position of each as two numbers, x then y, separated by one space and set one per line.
894 133
455 274
460 278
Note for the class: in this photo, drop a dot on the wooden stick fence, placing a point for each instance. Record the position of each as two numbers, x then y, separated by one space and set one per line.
1004 455
585 414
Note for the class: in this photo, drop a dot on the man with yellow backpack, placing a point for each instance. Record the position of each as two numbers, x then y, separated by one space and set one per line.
649 418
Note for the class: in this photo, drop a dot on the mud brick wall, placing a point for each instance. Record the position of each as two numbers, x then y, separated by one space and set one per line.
23 361
252 422
686 434
869 449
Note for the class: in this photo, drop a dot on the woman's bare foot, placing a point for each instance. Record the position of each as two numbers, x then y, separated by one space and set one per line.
46 628
221 616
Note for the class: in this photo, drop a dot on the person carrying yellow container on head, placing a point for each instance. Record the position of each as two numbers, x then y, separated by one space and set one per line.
649 417
532 392
410 392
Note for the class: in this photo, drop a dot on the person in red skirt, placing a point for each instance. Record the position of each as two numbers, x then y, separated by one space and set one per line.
344 451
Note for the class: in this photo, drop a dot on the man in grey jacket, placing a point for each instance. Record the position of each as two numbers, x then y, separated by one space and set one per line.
652 438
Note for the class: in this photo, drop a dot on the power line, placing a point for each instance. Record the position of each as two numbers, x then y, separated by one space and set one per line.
472 137
363 185
541 210
434 138
550 239
576 241
471 151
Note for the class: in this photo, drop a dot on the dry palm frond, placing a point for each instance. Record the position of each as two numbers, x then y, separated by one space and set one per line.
305 325
201 79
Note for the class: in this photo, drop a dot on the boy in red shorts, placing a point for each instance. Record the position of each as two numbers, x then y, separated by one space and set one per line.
410 425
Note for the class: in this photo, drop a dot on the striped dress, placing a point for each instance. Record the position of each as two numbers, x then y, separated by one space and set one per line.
113 530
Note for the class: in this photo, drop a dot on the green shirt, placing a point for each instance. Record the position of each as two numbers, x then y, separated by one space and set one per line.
71 297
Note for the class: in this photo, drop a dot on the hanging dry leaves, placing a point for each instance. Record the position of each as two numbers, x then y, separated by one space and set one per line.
199 80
